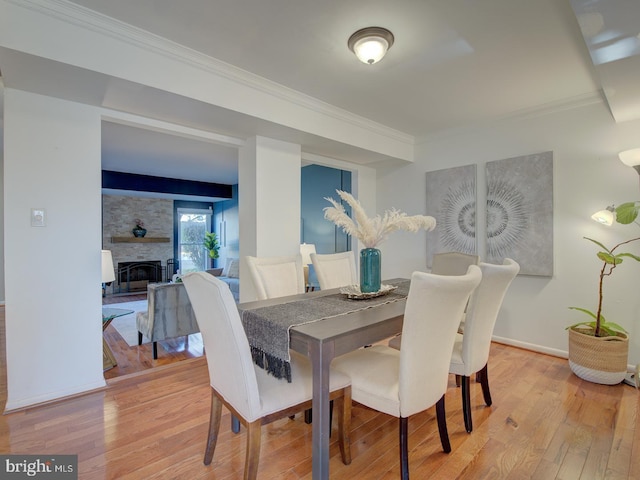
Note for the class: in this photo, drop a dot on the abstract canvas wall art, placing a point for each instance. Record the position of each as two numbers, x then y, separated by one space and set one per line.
451 200
520 212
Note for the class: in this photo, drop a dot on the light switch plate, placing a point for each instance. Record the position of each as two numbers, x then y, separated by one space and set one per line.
37 217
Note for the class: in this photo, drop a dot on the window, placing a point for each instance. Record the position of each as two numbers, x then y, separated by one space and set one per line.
192 225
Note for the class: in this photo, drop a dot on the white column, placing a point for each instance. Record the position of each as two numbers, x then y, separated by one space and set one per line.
268 201
53 289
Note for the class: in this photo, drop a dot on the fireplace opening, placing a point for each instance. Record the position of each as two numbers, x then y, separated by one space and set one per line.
135 276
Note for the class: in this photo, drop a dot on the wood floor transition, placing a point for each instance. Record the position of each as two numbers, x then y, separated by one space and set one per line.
136 359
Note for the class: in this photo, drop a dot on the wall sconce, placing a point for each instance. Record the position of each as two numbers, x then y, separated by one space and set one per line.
370 44
606 216
108 274
631 158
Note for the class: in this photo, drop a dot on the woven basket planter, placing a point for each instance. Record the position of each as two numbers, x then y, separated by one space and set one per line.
598 359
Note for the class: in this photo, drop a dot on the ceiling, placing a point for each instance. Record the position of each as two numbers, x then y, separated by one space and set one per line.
454 64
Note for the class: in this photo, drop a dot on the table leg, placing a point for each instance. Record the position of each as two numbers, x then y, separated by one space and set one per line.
108 360
321 356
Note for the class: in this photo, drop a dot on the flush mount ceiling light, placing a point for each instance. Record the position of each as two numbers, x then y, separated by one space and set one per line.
370 44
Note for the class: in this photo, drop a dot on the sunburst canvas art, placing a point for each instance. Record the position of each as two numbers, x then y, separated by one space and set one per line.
520 212
451 199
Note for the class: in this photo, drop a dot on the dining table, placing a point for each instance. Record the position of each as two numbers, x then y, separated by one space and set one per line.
322 325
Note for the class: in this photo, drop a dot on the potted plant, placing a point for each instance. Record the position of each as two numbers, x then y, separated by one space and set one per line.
598 348
212 245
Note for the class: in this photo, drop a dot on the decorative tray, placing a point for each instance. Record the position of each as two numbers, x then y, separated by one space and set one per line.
353 292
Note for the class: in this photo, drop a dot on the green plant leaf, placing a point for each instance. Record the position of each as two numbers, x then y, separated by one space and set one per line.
609 259
630 255
588 312
580 324
598 243
613 326
627 213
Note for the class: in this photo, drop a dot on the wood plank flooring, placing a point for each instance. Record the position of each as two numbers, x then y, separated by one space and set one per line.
132 360
545 423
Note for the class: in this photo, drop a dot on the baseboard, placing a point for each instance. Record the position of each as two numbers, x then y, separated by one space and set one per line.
48 399
541 349
532 346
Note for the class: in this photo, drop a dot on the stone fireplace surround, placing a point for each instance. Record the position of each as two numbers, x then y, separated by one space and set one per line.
118 215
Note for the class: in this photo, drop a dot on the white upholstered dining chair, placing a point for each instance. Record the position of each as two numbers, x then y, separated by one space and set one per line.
452 263
404 382
247 391
335 269
446 263
471 348
276 276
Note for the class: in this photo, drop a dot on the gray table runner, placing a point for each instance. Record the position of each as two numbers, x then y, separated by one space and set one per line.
267 328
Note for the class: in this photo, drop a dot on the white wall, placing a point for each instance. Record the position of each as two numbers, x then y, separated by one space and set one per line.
53 292
1 202
587 177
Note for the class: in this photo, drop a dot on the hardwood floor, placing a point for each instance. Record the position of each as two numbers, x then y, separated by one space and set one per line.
545 423
136 359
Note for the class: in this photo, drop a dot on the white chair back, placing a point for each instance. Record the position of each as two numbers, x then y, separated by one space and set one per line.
335 269
452 263
482 313
431 318
276 276
231 370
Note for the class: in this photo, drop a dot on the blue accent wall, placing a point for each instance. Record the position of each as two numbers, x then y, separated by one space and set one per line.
319 182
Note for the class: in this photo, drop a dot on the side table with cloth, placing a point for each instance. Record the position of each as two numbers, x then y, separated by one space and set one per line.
320 325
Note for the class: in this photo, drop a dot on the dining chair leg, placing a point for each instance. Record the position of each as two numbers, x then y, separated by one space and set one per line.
466 404
214 428
155 350
457 380
252 456
308 415
343 407
441 416
235 424
484 382
404 448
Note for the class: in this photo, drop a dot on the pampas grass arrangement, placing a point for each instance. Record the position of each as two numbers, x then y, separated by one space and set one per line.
372 231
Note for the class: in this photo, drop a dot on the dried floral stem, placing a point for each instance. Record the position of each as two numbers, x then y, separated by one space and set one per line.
372 231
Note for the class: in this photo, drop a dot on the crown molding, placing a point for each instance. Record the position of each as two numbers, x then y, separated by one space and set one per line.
578 101
131 120
100 24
